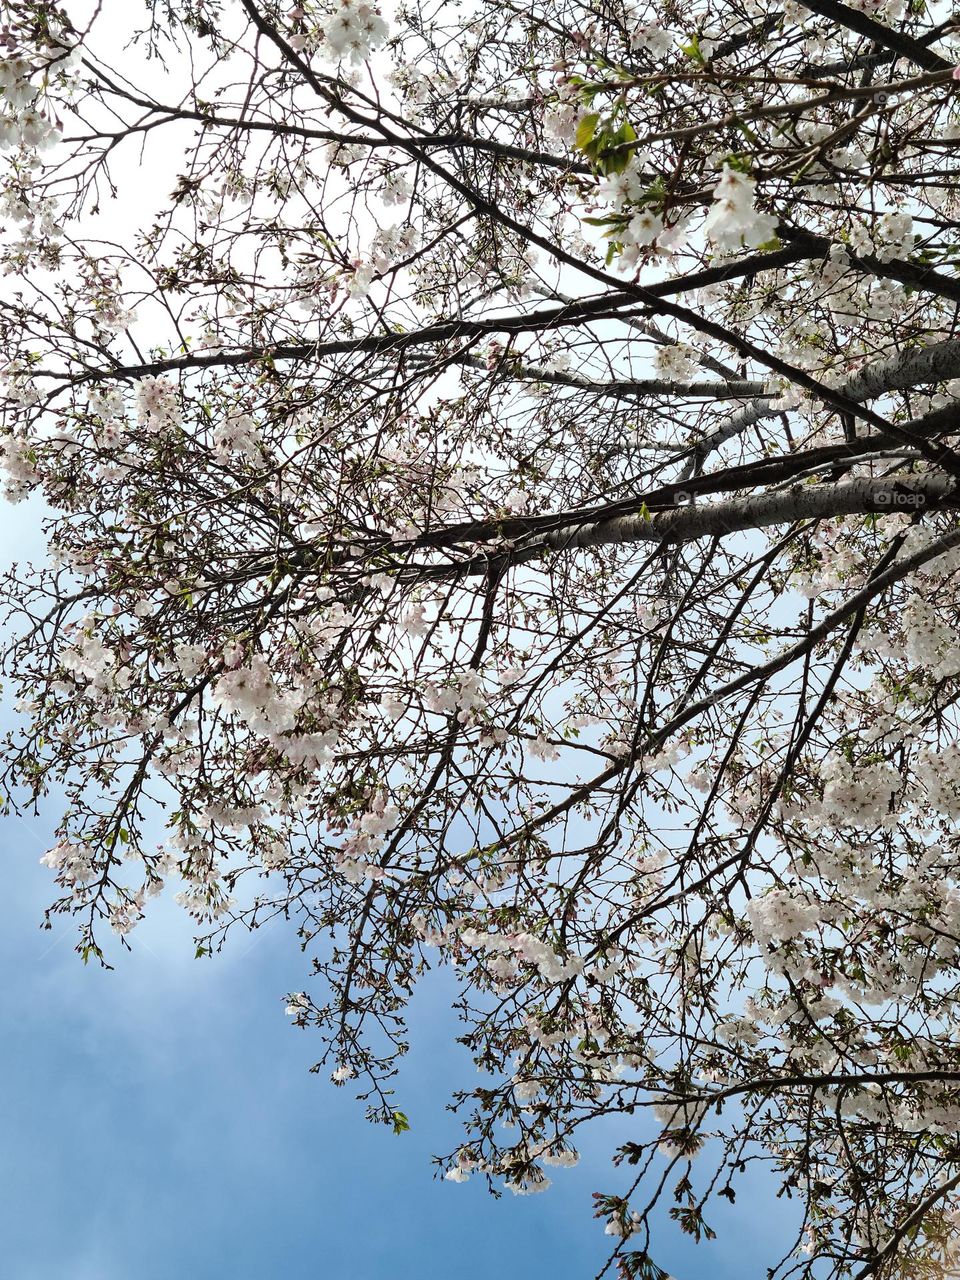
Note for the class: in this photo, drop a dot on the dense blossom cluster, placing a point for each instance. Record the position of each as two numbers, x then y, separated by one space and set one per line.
733 220
354 30
503 514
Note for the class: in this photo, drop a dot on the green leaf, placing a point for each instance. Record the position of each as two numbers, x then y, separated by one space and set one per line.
616 162
692 49
586 129
617 144
400 1122
737 160
608 220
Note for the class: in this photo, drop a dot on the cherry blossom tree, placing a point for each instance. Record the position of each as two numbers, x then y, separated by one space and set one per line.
500 471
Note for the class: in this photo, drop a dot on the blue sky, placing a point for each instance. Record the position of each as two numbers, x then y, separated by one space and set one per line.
159 1120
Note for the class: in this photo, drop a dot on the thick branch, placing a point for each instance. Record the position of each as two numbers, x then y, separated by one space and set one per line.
909 368
798 502
896 41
